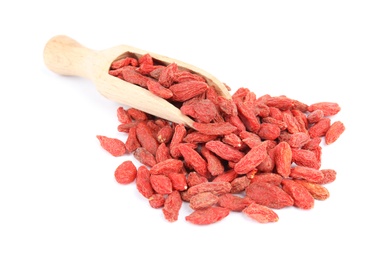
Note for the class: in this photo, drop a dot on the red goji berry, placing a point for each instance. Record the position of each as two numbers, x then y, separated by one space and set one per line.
126 172
207 216
260 213
114 146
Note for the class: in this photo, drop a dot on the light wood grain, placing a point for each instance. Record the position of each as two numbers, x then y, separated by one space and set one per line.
65 56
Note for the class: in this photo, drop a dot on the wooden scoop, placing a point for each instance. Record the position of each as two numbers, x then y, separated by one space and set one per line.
66 56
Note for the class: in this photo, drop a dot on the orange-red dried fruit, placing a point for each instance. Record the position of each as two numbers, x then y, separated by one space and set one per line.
172 206
260 213
178 181
227 176
216 188
306 173
251 159
283 158
146 138
207 216
194 159
248 117
137 114
197 137
269 195
114 146
122 115
214 164
234 202
157 200
161 184
239 184
165 134
162 153
166 77
178 136
193 178
125 173
269 131
315 116
144 156
132 142
203 200
301 196
328 108
329 175
297 140
124 62
143 184
320 128
317 191
201 110
222 128
131 75
187 90
158 90
334 131
167 166
305 158
224 151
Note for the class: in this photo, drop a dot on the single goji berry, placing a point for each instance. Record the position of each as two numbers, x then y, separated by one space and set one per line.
301 196
126 172
143 182
269 195
234 202
207 216
161 184
334 131
203 200
114 146
172 206
260 213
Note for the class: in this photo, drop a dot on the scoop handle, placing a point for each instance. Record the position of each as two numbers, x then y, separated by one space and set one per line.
65 56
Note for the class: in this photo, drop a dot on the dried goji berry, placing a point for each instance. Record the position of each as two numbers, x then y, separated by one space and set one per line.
328 108
194 159
334 131
301 196
283 158
146 138
234 202
161 184
260 213
269 195
306 173
216 188
143 182
251 159
203 200
144 156
224 151
167 166
114 146
214 164
187 90
125 173
157 200
317 191
223 128
172 206
207 216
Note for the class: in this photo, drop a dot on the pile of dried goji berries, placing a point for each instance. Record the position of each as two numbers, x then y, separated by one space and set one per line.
248 154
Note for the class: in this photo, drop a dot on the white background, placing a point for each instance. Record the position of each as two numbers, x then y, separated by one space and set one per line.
58 196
